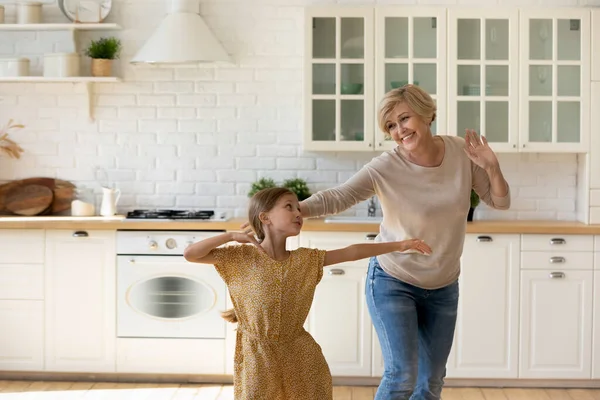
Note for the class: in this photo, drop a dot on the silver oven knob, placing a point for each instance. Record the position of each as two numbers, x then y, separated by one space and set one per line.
153 245
171 244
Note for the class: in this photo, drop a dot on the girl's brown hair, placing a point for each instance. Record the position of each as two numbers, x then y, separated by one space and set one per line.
414 97
262 201
229 316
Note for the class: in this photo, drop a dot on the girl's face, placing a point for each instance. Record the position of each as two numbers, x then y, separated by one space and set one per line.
285 218
407 128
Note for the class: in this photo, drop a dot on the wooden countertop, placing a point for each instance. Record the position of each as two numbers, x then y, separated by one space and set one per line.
119 222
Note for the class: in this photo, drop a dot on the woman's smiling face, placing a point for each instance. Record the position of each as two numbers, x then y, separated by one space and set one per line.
406 127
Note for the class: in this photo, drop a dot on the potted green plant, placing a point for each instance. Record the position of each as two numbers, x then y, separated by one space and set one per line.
474 203
102 52
261 184
299 187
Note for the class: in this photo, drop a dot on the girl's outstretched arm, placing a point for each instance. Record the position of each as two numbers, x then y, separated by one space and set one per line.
366 250
201 252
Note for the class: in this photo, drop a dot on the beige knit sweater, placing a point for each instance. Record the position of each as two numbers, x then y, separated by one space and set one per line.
429 203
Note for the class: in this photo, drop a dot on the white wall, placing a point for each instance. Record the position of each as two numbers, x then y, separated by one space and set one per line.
197 137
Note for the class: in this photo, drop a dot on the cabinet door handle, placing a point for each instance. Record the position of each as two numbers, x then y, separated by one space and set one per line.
557 275
558 241
557 260
80 234
484 239
371 236
336 271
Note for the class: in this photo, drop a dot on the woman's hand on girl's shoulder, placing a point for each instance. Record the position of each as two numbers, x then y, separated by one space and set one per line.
416 245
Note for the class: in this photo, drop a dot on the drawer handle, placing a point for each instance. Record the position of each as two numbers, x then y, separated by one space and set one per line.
557 260
80 234
557 275
558 241
336 271
484 239
371 236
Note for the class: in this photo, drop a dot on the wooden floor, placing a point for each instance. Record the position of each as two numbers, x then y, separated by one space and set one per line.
31 390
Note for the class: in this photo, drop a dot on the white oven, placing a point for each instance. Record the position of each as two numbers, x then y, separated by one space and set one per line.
160 294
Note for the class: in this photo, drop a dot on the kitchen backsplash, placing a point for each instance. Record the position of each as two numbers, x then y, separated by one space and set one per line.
198 137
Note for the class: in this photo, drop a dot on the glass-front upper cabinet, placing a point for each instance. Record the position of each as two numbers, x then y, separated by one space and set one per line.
483 75
555 76
410 48
338 92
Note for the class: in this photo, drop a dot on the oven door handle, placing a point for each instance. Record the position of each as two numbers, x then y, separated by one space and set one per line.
154 262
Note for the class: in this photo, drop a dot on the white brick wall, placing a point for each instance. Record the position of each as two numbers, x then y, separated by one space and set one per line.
197 137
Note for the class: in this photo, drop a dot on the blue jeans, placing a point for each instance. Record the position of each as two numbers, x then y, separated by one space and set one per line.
415 328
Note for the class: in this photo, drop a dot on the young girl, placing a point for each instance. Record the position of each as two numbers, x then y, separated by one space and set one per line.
272 291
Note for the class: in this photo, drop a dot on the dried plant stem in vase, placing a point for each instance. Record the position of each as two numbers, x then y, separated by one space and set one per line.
102 52
8 146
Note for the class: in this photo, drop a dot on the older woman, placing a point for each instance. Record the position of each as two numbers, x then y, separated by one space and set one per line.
424 188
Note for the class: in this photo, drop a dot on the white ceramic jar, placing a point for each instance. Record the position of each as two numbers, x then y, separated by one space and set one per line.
10 67
58 65
29 13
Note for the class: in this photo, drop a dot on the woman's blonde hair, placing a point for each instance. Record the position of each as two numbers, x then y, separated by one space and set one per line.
414 97
262 201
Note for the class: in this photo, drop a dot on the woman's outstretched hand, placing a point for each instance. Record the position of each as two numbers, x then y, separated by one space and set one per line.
479 151
416 245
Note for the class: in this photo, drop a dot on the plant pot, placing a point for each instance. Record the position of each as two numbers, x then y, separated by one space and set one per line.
101 67
470 214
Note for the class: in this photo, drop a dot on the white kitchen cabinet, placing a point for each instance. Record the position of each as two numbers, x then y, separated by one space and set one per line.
483 75
22 299
595 138
594 163
555 80
521 77
556 324
338 75
595 46
556 306
596 310
22 246
22 344
80 301
339 320
410 47
596 326
486 337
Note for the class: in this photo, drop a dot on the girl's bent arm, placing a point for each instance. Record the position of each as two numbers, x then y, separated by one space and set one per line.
200 252
366 250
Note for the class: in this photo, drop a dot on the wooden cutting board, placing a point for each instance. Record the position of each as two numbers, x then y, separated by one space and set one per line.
62 193
29 200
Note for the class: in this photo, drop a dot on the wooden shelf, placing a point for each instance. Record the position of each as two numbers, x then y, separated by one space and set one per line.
87 80
59 27
73 79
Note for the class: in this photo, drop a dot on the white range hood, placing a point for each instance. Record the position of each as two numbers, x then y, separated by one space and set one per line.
182 38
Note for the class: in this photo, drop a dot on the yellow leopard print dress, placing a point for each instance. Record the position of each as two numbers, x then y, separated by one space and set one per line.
275 357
